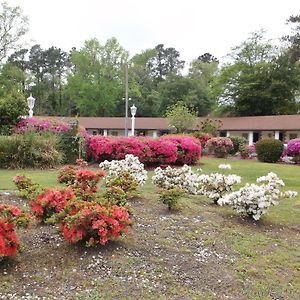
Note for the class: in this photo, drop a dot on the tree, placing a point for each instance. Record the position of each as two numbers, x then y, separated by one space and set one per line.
97 79
167 62
180 118
294 39
259 81
12 106
13 26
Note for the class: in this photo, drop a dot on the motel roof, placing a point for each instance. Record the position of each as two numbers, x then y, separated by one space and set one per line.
280 122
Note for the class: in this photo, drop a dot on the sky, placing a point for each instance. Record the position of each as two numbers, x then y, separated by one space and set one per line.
192 27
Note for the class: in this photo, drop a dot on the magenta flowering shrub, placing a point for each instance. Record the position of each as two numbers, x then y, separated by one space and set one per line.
165 150
220 146
188 148
293 149
46 125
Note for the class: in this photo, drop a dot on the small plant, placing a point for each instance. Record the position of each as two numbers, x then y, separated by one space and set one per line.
124 180
113 195
26 187
220 146
170 197
269 150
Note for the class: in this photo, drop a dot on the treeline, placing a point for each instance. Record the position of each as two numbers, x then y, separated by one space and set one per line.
261 79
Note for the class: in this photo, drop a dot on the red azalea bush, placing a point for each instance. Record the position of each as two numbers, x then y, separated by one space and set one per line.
85 183
50 202
92 223
67 173
9 217
165 150
26 187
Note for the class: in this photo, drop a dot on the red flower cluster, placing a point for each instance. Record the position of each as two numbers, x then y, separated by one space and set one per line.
50 202
165 150
85 184
93 223
9 216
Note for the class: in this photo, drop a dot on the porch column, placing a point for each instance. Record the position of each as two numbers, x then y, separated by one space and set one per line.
250 138
276 135
154 134
227 133
105 132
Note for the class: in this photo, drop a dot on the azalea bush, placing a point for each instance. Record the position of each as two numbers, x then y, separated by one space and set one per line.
165 150
202 137
254 200
66 174
293 150
10 216
91 223
170 197
220 146
215 185
86 183
26 187
124 180
130 164
177 178
50 202
238 142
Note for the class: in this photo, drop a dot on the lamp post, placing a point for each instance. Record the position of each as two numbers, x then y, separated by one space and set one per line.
30 103
133 112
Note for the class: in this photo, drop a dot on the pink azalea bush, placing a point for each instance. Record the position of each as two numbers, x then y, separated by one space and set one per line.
293 149
45 125
165 150
220 146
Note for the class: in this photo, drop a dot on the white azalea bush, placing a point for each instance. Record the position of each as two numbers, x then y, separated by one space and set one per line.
130 165
224 166
177 178
254 200
215 185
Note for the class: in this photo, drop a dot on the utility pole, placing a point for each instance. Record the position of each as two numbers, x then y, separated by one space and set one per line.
126 100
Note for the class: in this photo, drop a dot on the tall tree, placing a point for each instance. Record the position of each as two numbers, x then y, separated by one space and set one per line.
97 80
13 26
258 82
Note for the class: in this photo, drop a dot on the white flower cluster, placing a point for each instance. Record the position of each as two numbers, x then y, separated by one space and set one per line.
215 185
254 200
225 166
288 159
130 164
182 178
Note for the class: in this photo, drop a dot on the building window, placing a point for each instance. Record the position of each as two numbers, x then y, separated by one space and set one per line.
114 133
95 132
256 136
293 136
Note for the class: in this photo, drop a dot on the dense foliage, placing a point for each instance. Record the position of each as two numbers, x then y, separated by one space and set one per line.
269 150
220 146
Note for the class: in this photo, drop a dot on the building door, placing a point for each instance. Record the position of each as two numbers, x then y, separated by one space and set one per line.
256 136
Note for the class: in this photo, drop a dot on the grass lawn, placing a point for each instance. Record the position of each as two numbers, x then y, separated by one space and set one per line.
200 252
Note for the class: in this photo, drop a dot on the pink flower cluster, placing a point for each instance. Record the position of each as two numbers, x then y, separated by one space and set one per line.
41 125
165 150
293 148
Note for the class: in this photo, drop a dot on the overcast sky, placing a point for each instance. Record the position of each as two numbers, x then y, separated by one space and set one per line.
193 27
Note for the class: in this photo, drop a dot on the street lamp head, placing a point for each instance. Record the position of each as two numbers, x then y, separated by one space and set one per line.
133 110
30 103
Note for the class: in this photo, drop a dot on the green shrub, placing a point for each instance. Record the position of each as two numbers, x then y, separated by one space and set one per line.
29 150
170 197
237 142
71 143
269 150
